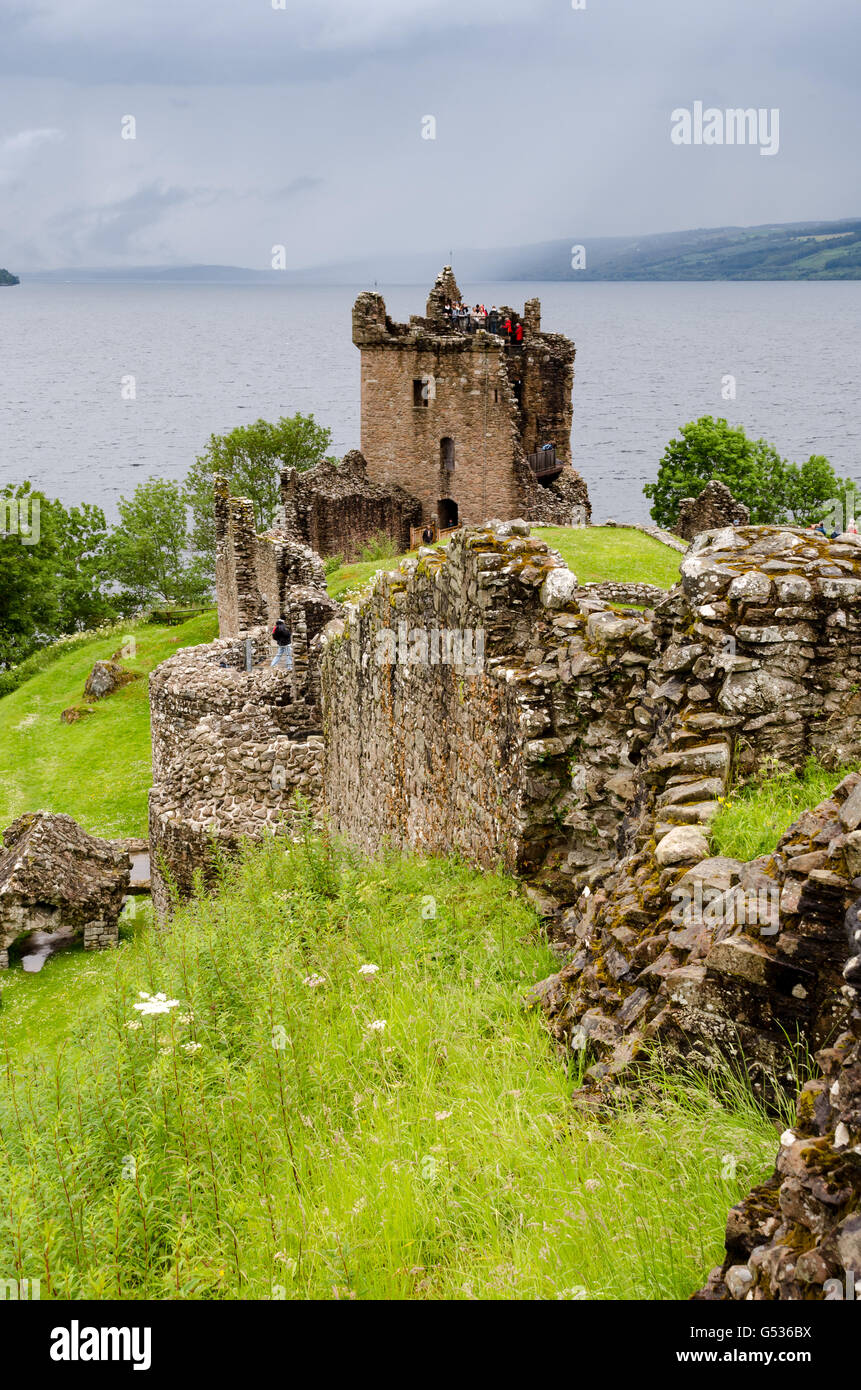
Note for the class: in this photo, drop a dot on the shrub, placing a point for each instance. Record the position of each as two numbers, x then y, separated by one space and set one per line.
378 547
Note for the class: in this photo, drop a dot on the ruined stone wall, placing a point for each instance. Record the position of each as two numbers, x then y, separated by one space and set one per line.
254 574
562 502
615 591
545 370
759 658
714 507
798 1235
232 749
244 570
611 738
480 758
57 880
335 508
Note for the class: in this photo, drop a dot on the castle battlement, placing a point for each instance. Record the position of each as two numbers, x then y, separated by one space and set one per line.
458 410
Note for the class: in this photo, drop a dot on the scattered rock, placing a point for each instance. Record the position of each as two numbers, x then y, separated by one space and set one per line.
55 878
682 845
105 678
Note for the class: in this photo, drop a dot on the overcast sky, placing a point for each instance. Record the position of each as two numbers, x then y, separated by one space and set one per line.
302 126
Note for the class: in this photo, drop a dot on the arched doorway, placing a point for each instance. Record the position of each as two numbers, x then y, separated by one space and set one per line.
447 513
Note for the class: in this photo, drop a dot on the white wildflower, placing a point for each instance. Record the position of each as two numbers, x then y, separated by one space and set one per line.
134 1023
312 981
192 1046
442 1114
378 1026
368 969
156 1003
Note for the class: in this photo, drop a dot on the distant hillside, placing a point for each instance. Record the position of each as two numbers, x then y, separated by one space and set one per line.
793 251
7 279
779 251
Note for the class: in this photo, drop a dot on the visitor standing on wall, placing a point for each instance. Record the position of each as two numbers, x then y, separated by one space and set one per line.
518 333
284 655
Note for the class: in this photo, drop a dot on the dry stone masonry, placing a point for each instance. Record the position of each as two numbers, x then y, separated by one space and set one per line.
58 880
335 508
713 508
254 575
589 753
798 1235
235 752
480 700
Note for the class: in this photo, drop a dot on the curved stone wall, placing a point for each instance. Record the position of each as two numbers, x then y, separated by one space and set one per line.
232 751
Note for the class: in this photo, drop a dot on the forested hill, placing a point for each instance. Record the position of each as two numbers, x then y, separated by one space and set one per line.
7 279
792 251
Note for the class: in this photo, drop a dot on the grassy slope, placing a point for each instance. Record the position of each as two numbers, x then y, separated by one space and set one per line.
283 1148
593 553
756 814
597 553
97 770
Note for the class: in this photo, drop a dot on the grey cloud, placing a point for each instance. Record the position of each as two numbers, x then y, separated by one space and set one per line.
295 187
114 228
302 127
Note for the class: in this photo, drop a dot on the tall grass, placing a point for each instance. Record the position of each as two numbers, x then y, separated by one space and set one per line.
294 1126
758 813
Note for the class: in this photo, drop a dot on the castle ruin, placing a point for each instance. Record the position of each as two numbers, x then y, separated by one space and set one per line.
481 701
458 417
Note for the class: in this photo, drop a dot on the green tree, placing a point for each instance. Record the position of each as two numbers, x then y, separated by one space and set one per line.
753 471
53 573
811 489
84 591
252 457
29 613
148 552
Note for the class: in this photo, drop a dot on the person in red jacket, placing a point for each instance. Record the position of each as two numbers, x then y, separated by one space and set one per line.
518 333
506 328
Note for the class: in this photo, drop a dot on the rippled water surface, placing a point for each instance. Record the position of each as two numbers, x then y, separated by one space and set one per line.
206 358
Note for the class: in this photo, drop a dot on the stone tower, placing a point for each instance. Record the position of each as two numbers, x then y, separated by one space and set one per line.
457 415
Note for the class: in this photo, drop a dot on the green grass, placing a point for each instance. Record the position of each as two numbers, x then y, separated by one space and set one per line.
261 1140
754 817
356 575
99 769
594 553
601 553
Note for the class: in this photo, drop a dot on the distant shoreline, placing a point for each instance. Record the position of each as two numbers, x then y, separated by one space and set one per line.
816 251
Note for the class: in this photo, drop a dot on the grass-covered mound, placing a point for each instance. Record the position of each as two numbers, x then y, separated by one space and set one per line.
594 553
600 553
99 769
758 812
345 1098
